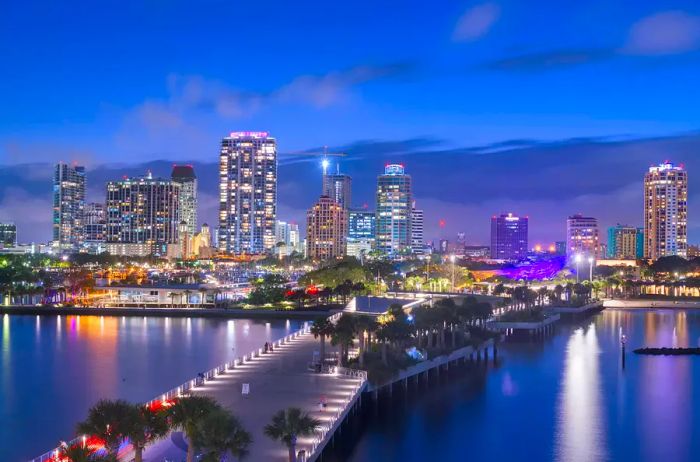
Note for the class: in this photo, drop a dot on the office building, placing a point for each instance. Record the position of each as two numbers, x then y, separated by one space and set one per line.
184 175
95 227
142 216
417 230
68 206
665 211
582 237
477 251
625 242
247 193
394 200
326 229
361 232
8 235
509 237
339 188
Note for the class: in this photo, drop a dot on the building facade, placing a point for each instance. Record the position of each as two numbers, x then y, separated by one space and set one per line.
582 237
8 235
95 227
417 230
143 216
625 242
247 193
184 175
68 206
509 237
665 211
326 230
394 200
362 226
339 188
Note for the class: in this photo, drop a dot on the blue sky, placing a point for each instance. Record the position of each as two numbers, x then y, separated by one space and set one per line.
114 83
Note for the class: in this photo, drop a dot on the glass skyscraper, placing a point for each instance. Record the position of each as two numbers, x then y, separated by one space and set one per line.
185 176
394 199
509 237
247 193
339 188
68 206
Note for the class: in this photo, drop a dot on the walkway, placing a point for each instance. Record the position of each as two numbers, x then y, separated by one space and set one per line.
277 380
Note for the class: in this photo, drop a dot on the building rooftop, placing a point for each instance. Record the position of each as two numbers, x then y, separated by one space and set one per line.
183 172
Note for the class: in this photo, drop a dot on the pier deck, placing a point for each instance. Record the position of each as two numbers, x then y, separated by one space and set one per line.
277 380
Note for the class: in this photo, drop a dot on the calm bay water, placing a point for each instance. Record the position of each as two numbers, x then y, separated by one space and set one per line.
563 399
53 368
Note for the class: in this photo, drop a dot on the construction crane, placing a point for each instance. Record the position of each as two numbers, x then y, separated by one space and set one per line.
325 163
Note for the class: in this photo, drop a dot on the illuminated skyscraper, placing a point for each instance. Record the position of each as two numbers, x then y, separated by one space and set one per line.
509 236
185 176
95 225
582 237
326 230
362 226
142 216
247 193
625 242
417 225
8 235
394 199
68 206
665 211
339 188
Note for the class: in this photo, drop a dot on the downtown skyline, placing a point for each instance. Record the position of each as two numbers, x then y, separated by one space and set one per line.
483 89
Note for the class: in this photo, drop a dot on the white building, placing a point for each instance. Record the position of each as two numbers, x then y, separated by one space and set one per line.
665 211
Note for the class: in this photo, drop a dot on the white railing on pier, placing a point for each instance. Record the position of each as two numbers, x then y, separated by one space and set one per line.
190 385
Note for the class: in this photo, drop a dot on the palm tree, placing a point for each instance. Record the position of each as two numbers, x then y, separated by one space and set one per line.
343 335
150 426
110 421
287 425
220 433
187 413
81 453
364 325
321 328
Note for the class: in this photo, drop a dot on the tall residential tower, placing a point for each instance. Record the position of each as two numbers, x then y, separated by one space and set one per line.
665 211
247 193
582 237
68 206
185 177
394 200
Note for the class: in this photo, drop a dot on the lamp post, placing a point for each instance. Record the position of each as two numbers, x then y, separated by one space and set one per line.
590 265
452 259
577 259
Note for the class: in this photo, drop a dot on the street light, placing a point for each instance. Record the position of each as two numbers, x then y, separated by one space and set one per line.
577 259
590 265
452 259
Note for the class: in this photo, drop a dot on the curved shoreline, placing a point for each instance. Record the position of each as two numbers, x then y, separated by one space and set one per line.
165 312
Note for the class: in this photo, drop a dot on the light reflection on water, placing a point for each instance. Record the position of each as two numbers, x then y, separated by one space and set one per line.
52 368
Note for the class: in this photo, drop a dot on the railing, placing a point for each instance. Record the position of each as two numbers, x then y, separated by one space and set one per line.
200 380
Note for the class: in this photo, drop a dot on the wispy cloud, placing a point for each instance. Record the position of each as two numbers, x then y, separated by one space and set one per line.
476 22
549 60
664 33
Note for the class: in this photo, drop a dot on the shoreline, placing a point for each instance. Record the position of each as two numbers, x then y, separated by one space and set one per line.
640 303
165 312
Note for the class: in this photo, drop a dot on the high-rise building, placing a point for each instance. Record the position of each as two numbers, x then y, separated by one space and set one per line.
142 216
247 193
8 235
95 226
665 211
417 226
394 199
184 175
287 239
295 238
509 237
68 206
361 232
582 237
338 187
326 229
625 242
560 247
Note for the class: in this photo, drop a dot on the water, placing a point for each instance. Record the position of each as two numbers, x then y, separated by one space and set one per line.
563 399
53 368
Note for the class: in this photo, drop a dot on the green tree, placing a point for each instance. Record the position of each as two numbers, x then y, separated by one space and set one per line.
288 425
187 414
220 433
78 452
343 335
150 426
322 328
110 421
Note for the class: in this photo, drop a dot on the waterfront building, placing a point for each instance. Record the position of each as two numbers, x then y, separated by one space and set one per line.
142 216
625 242
247 193
361 232
8 235
68 206
394 199
184 175
665 211
509 237
326 230
95 227
582 237
338 187
417 230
